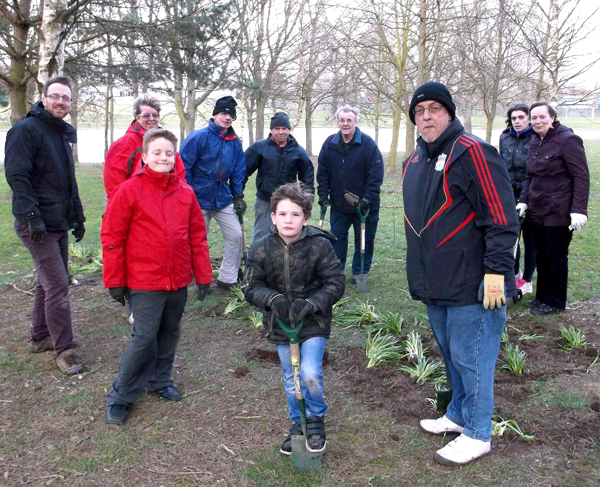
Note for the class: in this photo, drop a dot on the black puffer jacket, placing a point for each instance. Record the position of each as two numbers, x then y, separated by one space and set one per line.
514 147
306 269
40 170
278 165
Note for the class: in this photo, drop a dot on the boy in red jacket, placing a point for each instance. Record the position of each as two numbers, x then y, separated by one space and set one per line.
153 237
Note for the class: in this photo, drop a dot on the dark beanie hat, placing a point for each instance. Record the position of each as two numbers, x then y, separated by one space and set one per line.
432 91
280 119
225 105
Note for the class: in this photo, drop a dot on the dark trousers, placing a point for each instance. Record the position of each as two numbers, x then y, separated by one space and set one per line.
529 258
148 359
340 225
552 259
51 314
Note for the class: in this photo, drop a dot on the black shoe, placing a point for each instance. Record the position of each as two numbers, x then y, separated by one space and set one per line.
315 431
286 446
227 286
116 414
544 309
169 393
536 302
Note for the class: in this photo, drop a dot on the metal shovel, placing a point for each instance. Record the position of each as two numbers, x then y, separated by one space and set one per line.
362 280
302 459
240 216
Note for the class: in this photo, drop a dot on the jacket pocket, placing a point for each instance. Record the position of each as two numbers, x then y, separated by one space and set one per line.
53 209
445 274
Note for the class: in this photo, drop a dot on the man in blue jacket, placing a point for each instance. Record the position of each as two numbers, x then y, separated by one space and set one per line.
215 167
461 226
350 161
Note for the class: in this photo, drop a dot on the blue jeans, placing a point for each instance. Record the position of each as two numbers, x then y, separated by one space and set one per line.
262 219
340 225
311 378
469 339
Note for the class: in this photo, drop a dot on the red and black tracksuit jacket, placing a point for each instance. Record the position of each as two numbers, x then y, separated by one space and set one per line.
460 218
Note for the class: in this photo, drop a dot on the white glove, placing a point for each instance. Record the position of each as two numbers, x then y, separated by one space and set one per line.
521 209
577 221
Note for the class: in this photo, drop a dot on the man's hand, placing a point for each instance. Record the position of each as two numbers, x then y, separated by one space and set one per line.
239 204
493 291
78 231
298 311
521 209
324 203
118 294
281 307
37 229
203 290
365 205
577 221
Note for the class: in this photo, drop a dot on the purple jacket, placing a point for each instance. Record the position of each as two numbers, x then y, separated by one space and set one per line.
557 181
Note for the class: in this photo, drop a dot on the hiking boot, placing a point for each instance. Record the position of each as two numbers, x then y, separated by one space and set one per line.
544 309
462 450
315 435
525 287
44 345
440 426
116 414
227 286
286 446
169 393
68 363
534 303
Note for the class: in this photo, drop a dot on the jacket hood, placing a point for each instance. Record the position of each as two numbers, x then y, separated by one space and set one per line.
434 148
38 111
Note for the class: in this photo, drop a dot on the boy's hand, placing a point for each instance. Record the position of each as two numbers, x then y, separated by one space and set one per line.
299 309
118 294
203 290
324 203
281 307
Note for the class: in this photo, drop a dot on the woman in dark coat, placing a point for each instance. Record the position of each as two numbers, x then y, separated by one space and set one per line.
554 200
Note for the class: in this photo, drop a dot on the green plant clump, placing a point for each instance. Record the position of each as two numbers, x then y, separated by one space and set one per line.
355 313
382 347
425 370
571 338
388 322
499 426
514 359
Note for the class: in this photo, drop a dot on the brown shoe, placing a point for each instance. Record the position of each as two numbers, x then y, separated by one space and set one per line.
68 363
44 345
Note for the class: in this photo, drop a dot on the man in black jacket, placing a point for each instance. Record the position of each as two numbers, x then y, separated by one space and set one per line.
279 160
461 226
46 204
350 161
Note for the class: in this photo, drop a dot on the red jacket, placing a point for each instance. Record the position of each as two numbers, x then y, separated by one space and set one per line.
153 235
124 159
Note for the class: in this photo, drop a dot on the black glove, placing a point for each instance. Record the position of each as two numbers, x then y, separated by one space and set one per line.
239 204
203 290
78 231
324 203
364 205
118 294
281 307
300 308
37 229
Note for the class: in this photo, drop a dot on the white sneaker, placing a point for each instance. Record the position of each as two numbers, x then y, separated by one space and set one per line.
130 319
463 450
440 426
526 288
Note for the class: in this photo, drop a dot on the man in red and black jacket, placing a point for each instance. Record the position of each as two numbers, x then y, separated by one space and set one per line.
461 226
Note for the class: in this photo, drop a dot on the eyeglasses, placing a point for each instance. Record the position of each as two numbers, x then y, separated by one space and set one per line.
56 96
146 116
432 109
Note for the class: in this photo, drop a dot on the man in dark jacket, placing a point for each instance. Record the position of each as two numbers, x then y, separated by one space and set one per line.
461 225
350 161
46 204
279 159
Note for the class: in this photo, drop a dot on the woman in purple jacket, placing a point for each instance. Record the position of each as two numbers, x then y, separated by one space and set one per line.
554 200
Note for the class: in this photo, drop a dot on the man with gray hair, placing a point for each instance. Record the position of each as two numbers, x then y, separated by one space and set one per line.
350 162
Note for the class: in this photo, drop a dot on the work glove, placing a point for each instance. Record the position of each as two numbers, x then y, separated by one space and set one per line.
78 231
365 205
324 203
239 204
281 307
203 290
299 309
577 221
521 209
118 294
493 291
37 229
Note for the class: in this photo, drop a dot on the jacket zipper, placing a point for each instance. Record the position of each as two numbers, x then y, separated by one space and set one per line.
286 271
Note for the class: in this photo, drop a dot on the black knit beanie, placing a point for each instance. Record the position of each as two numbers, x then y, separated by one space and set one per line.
225 105
280 119
432 91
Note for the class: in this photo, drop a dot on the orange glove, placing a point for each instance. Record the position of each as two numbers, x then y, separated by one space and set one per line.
493 291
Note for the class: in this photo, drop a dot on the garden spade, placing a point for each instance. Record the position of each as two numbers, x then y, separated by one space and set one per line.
302 459
362 280
240 216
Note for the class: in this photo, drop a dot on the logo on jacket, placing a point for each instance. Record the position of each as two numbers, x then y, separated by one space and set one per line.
441 162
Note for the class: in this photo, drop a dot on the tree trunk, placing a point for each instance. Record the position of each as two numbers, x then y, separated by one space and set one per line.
308 122
52 42
75 118
395 136
554 36
18 73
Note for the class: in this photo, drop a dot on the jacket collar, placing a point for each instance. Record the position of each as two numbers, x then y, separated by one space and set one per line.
437 146
357 139
136 128
522 133
229 134
38 111
159 179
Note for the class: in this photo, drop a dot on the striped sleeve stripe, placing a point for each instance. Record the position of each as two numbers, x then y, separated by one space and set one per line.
485 178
